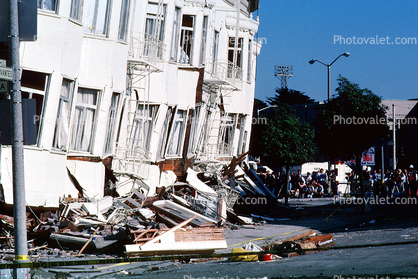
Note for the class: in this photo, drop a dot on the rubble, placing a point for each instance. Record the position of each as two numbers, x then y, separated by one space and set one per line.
151 219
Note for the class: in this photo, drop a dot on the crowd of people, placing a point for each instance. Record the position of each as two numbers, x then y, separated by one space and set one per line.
325 183
397 182
316 184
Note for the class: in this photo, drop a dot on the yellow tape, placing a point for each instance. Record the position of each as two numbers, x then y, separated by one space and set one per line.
261 238
21 257
118 264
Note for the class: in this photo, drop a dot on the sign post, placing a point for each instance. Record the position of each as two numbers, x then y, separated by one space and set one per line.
19 201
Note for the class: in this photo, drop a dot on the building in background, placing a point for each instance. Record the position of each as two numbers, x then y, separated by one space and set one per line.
128 89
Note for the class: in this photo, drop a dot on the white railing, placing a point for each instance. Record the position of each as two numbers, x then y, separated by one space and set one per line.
146 48
129 158
215 151
224 71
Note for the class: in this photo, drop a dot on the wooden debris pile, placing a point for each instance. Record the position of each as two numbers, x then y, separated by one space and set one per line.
212 195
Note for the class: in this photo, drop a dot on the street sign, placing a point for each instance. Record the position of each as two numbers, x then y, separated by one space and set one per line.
6 73
3 86
28 20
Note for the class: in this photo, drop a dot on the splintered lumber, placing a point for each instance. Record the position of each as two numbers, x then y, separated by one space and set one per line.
88 241
173 229
231 167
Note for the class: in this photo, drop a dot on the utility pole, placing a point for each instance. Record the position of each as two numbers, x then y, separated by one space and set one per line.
19 202
394 136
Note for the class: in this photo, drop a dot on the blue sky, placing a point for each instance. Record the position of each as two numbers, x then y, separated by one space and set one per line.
296 31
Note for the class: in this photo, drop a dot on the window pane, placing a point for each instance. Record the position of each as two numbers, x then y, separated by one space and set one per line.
84 120
124 18
176 136
175 38
186 39
111 123
63 116
97 17
76 9
101 21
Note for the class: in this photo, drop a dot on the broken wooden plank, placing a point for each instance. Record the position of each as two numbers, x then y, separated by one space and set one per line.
182 224
88 241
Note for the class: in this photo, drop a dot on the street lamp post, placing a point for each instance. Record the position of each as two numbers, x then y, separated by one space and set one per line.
258 110
346 54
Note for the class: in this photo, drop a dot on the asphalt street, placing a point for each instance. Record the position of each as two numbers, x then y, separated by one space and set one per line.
375 230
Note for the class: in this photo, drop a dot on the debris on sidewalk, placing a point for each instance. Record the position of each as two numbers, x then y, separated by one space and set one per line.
150 219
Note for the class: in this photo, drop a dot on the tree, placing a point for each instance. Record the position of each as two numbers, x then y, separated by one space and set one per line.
285 141
289 96
350 122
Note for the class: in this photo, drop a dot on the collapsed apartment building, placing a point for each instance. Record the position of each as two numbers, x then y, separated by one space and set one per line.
133 94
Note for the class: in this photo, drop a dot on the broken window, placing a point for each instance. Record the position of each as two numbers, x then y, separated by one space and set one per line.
226 134
186 39
124 18
111 121
97 19
142 127
203 43
193 130
164 134
76 11
35 86
234 57
48 5
62 124
154 30
84 120
175 38
175 143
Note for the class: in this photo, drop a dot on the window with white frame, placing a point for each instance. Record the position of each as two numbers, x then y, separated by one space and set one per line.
249 61
164 134
241 140
97 18
142 127
186 39
48 5
232 72
175 143
154 30
203 43
62 124
111 123
175 38
35 86
215 51
201 143
84 120
124 19
76 11
193 131
226 134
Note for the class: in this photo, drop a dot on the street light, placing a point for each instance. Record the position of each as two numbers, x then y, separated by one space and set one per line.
346 54
258 110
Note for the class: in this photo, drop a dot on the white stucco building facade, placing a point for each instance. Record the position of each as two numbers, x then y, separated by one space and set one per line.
135 88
